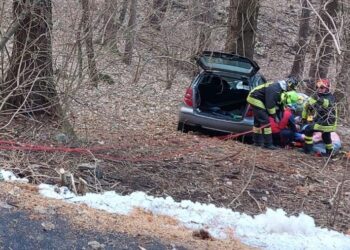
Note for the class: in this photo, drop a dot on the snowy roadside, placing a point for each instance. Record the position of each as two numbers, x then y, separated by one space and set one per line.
271 230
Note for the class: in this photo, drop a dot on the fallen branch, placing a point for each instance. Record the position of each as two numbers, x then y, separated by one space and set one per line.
257 203
248 182
331 200
265 169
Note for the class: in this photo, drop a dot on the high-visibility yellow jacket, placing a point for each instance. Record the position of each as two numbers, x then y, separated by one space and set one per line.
324 108
266 96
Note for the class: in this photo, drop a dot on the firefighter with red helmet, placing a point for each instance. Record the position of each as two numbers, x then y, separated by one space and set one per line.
321 113
264 100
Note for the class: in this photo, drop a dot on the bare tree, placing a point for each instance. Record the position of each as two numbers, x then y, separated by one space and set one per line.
301 46
323 41
343 76
122 13
110 22
87 35
203 17
159 9
130 36
343 88
29 85
242 23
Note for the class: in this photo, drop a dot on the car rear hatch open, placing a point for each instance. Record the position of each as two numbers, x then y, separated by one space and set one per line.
218 61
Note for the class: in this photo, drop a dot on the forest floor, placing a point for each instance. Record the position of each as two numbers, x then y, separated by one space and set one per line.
194 166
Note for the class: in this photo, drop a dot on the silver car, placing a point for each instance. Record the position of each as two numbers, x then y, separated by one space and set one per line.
216 98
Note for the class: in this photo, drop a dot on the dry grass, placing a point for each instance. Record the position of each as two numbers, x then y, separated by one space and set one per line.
25 197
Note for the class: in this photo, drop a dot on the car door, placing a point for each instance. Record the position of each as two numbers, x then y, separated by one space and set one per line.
224 62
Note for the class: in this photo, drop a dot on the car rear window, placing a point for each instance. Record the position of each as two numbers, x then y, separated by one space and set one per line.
227 64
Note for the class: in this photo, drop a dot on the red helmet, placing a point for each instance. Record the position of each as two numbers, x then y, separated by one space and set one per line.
323 83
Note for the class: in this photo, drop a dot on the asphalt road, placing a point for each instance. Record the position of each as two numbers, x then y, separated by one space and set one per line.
18 230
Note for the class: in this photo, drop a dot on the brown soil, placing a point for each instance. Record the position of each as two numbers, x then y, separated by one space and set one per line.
201 168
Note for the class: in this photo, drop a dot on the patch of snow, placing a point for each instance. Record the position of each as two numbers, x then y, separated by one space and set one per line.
271 230
9 176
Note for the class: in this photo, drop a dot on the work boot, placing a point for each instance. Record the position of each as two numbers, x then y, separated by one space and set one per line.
258 139
308 148
268 142
329 152
270 146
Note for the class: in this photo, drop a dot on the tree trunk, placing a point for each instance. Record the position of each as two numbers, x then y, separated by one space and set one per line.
110 22
301 46
159 9
79 51
122 14
93 73
29 85
323 49
130 36
342 90
206 18
242 24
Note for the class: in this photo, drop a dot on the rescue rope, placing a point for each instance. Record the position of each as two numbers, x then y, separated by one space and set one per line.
93 151
234 135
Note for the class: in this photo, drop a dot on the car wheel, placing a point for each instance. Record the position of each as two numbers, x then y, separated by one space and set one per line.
184 128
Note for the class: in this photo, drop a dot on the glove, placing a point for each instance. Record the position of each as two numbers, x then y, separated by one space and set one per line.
297 119
303 122
319 99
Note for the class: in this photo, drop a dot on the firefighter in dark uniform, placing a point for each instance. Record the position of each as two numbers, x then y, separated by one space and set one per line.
321 113
264 100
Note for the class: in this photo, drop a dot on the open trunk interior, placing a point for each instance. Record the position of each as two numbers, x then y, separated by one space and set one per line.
223 96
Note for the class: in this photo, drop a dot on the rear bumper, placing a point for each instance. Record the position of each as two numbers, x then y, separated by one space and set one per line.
189 116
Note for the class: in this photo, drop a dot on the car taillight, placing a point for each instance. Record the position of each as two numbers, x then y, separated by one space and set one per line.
249 112
188 99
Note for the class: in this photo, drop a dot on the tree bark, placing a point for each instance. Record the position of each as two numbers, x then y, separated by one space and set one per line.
122 14
29 85
93 73
323 49
342 90
301 46
159 9
130 37
242 24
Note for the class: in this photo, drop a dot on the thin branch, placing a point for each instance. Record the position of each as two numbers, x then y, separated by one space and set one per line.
336 42
248 182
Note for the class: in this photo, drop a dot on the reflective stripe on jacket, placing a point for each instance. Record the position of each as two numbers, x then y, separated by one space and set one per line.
325 110
266 96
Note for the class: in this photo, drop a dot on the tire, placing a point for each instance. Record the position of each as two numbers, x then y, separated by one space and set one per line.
184 128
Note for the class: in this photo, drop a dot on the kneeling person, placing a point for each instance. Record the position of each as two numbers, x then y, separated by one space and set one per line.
323 108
